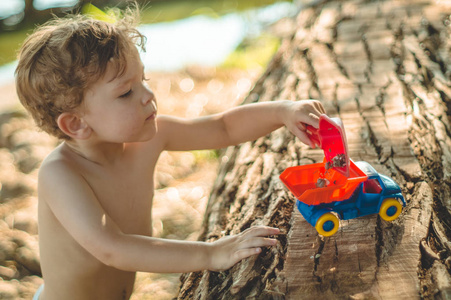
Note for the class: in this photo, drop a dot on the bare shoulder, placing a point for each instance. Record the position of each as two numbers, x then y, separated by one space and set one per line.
59 167
58 159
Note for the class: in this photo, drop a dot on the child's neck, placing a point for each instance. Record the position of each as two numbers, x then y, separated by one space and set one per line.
104 154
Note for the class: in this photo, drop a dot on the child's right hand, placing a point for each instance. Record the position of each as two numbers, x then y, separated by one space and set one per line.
227 251
300 114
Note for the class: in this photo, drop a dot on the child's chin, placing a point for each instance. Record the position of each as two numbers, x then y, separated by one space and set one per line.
150 134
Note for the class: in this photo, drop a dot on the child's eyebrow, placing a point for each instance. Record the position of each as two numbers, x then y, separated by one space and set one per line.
124 80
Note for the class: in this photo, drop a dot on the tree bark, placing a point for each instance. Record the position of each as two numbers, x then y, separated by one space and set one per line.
384 68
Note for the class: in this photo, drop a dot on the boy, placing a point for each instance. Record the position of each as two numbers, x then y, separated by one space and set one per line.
83 82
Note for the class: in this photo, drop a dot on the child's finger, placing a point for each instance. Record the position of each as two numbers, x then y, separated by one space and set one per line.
301 126
303 137
319 106
315 115
309 118
245 253
258 242
261 231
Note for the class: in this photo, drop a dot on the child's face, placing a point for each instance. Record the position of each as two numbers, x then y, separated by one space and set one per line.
121 108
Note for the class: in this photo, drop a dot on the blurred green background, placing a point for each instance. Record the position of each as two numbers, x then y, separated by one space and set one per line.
19 17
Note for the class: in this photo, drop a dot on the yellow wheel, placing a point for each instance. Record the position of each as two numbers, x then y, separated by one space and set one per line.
390 209
327 224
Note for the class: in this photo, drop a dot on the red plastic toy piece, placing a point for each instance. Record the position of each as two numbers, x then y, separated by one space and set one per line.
302 182
331 137
338 175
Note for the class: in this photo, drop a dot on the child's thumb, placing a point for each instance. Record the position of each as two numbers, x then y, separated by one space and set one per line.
303 137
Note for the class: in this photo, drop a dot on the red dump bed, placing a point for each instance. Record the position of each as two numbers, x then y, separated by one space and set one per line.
302 182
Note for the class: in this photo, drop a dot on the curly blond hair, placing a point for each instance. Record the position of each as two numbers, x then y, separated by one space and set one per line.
62 58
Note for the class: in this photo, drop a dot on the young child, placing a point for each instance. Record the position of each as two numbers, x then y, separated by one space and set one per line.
82 81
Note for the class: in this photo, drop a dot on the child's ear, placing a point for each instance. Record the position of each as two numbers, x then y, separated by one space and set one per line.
73 126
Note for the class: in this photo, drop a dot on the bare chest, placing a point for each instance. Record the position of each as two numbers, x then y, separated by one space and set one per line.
126 196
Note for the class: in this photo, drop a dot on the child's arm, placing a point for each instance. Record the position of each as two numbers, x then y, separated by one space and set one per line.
76 207
239 124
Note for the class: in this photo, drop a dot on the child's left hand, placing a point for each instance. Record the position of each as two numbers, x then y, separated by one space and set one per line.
302 113
228 250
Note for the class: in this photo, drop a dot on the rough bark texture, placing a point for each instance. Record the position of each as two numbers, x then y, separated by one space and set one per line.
384 68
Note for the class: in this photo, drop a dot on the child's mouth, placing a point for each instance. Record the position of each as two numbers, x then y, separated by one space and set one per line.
151 117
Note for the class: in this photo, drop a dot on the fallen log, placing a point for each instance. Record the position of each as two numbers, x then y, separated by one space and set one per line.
384 68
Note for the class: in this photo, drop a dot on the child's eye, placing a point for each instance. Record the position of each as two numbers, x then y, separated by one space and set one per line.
125 95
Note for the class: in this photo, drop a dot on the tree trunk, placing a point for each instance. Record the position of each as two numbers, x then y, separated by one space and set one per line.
384 68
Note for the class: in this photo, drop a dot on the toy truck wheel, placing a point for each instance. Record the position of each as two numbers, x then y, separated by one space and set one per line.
327 224
390 209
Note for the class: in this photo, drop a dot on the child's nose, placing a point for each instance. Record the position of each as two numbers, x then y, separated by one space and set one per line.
148 97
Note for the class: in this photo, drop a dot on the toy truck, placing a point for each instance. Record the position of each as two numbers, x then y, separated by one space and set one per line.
337 188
